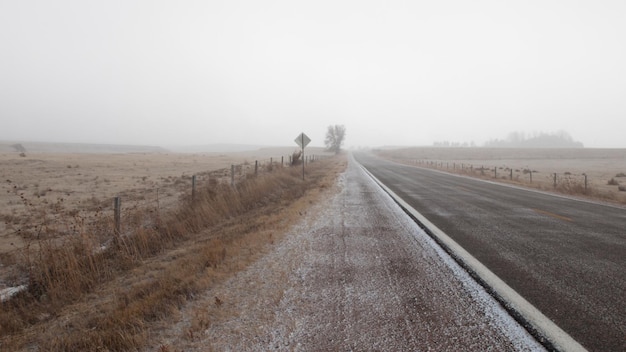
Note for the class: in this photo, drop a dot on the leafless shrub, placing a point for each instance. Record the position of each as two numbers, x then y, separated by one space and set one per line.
295 157
612 182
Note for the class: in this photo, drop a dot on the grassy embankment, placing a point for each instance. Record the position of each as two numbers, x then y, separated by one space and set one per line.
82 296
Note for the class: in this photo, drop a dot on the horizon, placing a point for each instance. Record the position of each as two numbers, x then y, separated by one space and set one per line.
410 73
248 147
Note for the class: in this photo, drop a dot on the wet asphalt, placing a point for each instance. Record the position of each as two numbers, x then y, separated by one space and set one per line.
567 257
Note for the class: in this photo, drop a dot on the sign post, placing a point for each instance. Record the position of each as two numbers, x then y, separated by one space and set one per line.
303 140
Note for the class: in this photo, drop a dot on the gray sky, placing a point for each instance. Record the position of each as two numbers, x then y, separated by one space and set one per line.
260 72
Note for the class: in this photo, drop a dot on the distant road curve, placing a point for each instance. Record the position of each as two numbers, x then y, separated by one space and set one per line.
566 257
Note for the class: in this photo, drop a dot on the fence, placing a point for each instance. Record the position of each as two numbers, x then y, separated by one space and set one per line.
54 238
565 180
39 214
235 174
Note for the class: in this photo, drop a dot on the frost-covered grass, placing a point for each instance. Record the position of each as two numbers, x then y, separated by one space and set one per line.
83 295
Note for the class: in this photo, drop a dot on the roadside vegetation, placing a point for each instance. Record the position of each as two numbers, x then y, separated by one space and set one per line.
91 289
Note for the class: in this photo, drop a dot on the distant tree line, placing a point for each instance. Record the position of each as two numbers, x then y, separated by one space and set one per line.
560 139
448 144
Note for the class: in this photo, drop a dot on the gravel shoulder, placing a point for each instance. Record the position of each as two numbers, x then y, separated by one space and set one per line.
355 274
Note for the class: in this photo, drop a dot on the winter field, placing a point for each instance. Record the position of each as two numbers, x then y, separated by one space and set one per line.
275 262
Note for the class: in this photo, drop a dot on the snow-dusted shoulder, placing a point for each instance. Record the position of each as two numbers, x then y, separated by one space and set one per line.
355 274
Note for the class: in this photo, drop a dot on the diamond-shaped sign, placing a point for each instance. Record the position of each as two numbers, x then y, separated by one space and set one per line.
303 140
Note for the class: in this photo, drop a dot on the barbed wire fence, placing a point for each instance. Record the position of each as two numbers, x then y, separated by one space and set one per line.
191 183
526 174
130 206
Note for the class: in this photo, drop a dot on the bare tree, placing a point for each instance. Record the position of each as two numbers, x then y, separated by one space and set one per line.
334 138
19 148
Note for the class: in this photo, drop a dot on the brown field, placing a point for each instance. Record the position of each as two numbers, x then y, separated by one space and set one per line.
89 288
605 168
70 188
43 184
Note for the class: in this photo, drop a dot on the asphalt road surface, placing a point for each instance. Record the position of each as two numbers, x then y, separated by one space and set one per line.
566 257
355 274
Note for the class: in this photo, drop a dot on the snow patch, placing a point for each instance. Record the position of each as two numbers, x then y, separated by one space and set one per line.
9 292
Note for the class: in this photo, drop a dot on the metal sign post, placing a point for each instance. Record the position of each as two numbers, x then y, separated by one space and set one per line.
303 140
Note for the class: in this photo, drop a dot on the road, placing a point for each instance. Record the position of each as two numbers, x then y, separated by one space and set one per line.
356 274
567 257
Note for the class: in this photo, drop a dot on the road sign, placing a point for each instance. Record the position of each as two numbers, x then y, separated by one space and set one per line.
303 140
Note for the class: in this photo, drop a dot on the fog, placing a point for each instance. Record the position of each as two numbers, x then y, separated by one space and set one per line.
260 72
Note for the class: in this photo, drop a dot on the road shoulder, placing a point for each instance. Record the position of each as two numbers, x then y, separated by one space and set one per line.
355 274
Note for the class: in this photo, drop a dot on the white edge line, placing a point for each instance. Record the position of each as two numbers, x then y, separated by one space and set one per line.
519 307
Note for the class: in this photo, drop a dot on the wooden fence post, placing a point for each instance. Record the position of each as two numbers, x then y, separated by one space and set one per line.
585 182
555 180
193 188
117 214
256 167
232 175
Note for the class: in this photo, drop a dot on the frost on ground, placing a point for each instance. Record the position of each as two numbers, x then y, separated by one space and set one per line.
9 292
356 274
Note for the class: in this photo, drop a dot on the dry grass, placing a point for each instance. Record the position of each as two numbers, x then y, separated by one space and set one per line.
88 182
85 296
